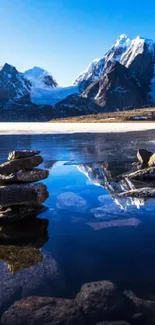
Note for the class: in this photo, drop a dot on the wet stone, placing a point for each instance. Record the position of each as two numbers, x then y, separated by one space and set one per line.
17 213
24 194
24 176
13 166
43 311
22 154
141 192
100 300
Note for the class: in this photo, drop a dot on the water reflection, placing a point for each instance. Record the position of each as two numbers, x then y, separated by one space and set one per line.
87 233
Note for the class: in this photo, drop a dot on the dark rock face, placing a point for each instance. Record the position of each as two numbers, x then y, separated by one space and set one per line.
145 307
13 166
100 300
117 89
24 177
75 105
50 82
144 156
22 154
43 311
13 85
31 194
141 174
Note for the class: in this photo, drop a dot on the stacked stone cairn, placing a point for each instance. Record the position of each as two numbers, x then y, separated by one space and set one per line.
20 196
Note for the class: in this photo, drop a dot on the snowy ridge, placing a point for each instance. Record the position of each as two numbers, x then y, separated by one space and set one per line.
125 50
39 77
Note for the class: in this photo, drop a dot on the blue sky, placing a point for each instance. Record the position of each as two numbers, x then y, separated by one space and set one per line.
64 36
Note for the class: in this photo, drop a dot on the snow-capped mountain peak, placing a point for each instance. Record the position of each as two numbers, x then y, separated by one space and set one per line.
125 50
40 78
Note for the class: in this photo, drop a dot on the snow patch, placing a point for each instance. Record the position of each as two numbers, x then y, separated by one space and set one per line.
47 96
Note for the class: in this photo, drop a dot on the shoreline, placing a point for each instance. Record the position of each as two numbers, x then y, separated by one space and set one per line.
66 128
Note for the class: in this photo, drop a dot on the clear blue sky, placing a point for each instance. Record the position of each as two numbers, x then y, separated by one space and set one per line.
64 36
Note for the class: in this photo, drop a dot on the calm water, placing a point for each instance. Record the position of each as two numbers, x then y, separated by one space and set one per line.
91 235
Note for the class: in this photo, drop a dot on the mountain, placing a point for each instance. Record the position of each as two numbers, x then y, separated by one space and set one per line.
40 78
138 55
13 84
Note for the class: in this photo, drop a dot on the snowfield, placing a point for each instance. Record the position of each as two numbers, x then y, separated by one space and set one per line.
46 96
62 128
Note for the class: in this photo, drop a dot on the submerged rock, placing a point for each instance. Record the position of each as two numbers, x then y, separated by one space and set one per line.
13 166
144 307
140 192
31 194
100 300
43 311
18 257
22 154
17 213
144 156
24 176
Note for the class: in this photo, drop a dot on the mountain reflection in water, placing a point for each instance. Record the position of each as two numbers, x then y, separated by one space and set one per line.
89 233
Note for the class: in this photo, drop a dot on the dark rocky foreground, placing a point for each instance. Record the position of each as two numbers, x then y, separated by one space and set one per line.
98 303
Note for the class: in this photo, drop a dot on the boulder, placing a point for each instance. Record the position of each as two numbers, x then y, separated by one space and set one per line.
13 166
23 194
141 174
22 154
101 300
43 311
33 175
144 307
152 161
16 213
144 156
140 192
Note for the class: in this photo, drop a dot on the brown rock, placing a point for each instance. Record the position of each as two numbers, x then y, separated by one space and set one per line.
99 300
31 194
16 213
43 311
14 166
33 175
141 192
22 154
152 161
144 156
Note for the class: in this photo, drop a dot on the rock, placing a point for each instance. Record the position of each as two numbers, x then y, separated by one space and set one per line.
24 176
20 257
33 232
141 174
8 295
100 300
119 322
144 307
22 154
16 213
141 192
31 194
152 161
43 311
14 166
144 156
